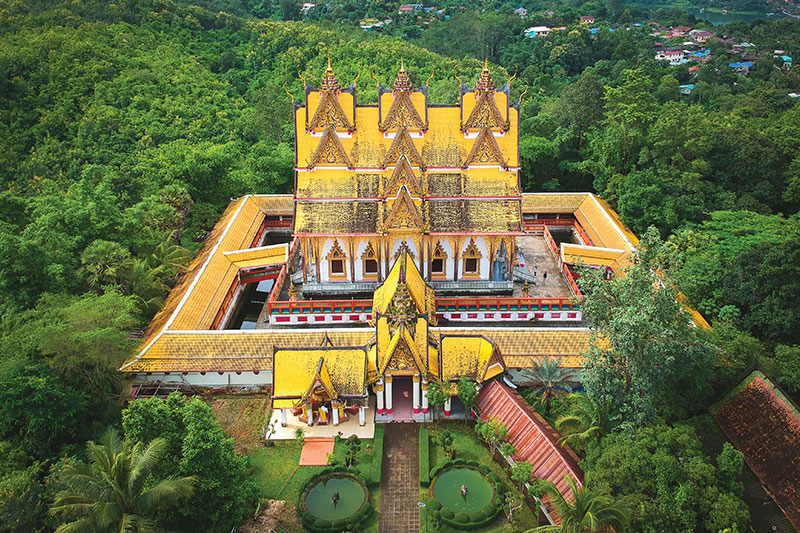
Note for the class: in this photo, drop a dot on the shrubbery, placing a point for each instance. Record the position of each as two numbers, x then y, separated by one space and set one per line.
467 521
424 458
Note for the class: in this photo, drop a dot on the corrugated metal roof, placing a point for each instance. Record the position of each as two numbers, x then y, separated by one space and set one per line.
535 441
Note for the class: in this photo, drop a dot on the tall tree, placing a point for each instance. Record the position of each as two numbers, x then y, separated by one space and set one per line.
584 422
115 490
645 357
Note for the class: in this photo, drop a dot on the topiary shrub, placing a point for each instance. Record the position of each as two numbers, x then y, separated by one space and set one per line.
473 463
462 518
434 505
424 458
319 523
490 511
341 523
476 517
447 513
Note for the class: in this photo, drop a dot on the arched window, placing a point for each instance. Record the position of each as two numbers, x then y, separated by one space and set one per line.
472 260
336 258
370 263
439 262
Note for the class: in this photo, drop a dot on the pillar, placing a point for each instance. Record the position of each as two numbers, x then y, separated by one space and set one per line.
361 416
416 393
388 394
283 417
424 396
378 388
447 407
323 415
335 413
309 413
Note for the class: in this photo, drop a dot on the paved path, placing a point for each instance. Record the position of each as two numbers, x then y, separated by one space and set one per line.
400 479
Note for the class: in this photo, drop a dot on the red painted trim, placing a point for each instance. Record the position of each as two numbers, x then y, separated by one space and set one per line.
474 198
338 199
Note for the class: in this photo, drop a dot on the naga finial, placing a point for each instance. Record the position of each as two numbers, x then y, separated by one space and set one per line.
357 76
523 93
512 78
372 73
433 71
286 88
301 76
455 75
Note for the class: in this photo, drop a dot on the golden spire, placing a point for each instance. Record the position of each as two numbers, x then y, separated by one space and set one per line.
329 81
485 83
402 83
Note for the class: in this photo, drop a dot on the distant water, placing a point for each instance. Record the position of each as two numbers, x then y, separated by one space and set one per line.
716 18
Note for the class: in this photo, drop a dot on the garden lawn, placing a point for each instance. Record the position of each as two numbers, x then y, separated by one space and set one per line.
468 446
277 474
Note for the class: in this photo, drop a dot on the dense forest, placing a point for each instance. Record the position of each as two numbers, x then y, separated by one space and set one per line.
127 127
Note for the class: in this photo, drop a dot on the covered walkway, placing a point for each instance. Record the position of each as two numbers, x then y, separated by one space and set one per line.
534 440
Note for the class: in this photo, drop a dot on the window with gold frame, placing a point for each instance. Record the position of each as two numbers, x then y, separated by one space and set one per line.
369 263
336 262
439 262
471 261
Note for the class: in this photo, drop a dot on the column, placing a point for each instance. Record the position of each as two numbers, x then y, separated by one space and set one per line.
309 413
283 417
335 413
416 393
323 415
424 396
388 394
361 416
447 407
378 388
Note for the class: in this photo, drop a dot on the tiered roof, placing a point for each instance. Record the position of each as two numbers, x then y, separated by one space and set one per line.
403 141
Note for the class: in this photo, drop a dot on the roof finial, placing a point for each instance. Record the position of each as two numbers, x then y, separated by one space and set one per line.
285 88
357 76
455 75
329 59
374 77
402 62
403 262
301 76
512 78
523 93
433 71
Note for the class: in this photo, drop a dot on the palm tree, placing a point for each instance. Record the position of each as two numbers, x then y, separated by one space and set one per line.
589 511
585 420
105 263
114 491
548 375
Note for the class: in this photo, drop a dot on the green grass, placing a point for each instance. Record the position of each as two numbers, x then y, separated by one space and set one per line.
469 447
277 474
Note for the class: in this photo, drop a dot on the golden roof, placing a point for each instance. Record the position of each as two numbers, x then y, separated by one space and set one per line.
528 341
232 350
259 257
473 356
404 271
344 371
196 298
402 355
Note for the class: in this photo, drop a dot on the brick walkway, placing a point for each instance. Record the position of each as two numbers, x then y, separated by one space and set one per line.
400 479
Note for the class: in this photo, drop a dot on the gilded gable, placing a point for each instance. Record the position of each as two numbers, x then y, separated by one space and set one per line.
330 152
402 115
329 114
402 145
485 114
485 151
404 213
403 175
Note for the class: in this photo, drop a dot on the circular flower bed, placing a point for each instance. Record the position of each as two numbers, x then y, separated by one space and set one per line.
472 508
334 500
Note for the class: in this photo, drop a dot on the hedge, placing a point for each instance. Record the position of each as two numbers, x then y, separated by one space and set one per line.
424 458
374 477
465 521
320 525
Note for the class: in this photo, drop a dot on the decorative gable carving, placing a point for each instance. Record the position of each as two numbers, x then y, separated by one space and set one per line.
404 213
404 248
330 152
402 175
485 114
485 150
329 114
402 114
402 145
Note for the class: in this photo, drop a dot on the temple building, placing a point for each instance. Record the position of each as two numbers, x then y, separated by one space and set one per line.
406 256
438 183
